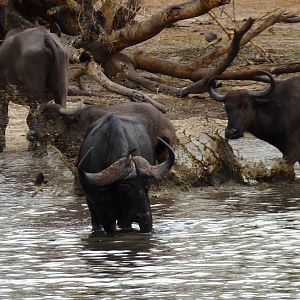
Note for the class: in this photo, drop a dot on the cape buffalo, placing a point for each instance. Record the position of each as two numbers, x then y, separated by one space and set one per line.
271 114
65 128
116 167
34 67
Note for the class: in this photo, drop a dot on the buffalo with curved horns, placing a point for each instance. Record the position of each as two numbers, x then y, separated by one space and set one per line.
271 114
33 70
116 167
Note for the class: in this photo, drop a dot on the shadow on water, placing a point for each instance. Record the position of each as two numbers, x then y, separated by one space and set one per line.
227 242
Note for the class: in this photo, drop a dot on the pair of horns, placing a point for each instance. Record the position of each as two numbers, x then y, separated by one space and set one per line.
256 94
128 167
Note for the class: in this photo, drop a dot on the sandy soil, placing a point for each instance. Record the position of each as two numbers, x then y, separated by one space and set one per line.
183 41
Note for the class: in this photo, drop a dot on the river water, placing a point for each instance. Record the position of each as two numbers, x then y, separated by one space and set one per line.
227 242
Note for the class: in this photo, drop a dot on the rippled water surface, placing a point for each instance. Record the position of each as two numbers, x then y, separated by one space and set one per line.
228 242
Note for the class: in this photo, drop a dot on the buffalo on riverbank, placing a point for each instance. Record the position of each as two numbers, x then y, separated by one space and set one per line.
271 114
34 67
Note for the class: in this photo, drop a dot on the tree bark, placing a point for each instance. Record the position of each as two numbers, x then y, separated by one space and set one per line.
106 45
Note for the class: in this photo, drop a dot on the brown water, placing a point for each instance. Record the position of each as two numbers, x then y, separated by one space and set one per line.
228 242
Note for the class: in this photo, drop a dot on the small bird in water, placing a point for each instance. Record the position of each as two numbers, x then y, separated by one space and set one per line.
39 183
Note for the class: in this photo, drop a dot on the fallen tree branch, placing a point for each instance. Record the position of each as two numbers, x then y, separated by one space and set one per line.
151 85
109 9
94 71
200 86
249 72
118 40
213 55
197 68
245 72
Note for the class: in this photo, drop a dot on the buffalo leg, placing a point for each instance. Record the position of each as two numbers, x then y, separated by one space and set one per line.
109 226
105 222
40 147
3 121
31 122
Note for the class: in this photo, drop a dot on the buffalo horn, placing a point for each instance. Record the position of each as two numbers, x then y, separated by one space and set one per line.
115 172
216 96
126 167
71 112
157 171
268 90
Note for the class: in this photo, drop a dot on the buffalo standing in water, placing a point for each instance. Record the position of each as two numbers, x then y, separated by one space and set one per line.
116 167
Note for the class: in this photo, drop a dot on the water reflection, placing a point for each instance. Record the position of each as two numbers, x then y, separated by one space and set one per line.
227 242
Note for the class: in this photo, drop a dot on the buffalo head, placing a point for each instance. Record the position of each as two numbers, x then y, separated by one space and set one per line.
128 180
241 106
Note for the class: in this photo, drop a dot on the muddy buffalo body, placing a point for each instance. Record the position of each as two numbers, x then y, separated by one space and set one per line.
65 129
34 67
116 165
272 114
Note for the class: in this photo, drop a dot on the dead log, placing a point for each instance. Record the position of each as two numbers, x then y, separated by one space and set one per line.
249 72
151 85
197 68
93 70
121 66
120 63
